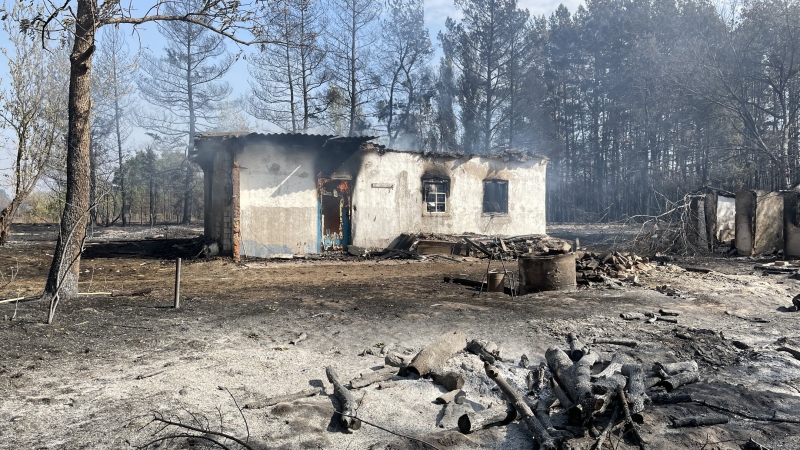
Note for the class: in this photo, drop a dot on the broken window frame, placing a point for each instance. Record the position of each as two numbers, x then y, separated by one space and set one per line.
441 193
501 189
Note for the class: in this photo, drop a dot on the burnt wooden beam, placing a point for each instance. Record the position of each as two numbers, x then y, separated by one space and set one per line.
347 413
540 434
434 356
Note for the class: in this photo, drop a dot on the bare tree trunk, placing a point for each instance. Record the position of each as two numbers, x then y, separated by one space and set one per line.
7 216
151 159
123 193
62 282
92 181
187 184
353 85
187 194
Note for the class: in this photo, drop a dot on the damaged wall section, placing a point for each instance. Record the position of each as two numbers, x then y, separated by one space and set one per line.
759 222
389 196
279 205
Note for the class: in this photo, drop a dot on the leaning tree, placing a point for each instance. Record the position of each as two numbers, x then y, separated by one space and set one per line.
83 18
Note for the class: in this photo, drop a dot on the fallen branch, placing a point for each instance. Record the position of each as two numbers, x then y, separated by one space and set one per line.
614 366
544 439
151 374
434 356
283 398
542 411
700 421
635 387
628 419
303 336
387 385
607 430
632 316
576 348
399 360
668 369
753 445
746 416
132 293
616 342
485 418
450 415
680 379
21 299
453 396
586 403
385 374
479 349
348 405
560 395
605 389
205 433
670 399
791 350
451 381
405 436
561 367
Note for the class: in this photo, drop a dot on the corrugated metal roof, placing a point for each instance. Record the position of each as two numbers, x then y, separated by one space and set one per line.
239 134
511 154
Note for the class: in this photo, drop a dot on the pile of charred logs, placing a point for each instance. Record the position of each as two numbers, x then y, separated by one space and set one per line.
617 265
424 246
567 396
566 400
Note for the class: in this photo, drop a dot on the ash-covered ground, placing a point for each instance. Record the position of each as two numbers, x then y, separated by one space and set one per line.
95 377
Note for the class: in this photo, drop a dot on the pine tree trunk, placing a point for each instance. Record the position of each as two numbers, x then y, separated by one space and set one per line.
187 195
92 182
62 282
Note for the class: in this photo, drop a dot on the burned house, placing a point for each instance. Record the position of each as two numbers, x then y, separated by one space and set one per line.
267 194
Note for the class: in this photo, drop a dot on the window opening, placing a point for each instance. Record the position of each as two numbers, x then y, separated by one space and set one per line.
435 193
495 196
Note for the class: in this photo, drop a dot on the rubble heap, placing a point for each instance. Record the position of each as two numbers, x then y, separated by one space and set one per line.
594 267
425 246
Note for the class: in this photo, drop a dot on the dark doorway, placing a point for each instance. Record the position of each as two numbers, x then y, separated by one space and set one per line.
334 214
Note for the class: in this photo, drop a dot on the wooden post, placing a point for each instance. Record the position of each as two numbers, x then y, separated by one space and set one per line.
177 283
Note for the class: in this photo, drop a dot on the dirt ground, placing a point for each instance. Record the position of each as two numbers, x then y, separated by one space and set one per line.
94 379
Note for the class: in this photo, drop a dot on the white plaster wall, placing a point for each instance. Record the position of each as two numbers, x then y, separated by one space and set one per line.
279 203
380 213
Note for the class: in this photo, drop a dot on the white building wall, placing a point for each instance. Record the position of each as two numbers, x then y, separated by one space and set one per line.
387 197
279 202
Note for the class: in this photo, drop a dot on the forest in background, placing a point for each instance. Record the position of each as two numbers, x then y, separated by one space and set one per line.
633 101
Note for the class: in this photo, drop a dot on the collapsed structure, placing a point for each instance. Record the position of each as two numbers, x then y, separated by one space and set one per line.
711 218
758 222
267 194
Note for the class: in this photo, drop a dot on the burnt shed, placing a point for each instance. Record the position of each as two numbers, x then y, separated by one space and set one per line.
267 194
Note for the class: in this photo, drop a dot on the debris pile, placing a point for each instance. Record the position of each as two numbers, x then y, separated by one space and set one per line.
577 395
593 267
432 246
